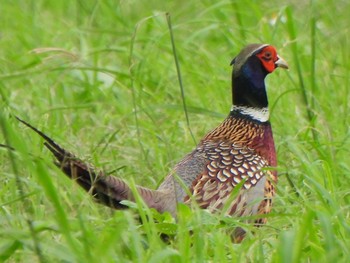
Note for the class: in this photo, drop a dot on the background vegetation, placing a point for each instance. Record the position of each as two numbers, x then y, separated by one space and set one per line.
100 78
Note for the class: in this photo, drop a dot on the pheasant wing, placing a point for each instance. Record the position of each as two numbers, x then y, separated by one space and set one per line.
230 166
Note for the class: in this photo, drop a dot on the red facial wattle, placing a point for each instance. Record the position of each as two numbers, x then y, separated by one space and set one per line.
268 57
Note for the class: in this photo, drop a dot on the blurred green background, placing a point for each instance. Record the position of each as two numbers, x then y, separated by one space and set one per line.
100 78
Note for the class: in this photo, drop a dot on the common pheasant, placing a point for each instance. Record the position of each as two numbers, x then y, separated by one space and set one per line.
240 152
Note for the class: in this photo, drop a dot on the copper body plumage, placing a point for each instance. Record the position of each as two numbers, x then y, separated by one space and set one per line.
240 152
239 157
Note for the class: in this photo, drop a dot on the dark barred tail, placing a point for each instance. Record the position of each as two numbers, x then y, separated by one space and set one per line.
107 190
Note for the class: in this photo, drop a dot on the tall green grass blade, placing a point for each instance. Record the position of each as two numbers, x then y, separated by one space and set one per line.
9 140
8 249
177 64
296 58
313 77
61 216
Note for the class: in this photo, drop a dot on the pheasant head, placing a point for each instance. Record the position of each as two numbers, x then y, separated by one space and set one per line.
250 68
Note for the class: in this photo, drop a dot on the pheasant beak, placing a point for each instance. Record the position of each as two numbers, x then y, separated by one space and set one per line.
281 63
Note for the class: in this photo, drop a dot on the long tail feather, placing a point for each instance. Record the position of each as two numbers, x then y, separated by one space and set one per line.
108 190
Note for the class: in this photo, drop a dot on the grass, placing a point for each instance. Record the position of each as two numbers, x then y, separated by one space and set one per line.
100 77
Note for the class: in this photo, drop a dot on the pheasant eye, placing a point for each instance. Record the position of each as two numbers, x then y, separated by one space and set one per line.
267 55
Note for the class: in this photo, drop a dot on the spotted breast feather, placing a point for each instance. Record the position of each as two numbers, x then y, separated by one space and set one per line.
235 160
